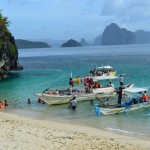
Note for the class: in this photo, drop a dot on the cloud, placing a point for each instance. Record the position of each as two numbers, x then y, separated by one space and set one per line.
126 11
65 18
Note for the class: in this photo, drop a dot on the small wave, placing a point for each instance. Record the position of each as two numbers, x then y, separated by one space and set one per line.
123 131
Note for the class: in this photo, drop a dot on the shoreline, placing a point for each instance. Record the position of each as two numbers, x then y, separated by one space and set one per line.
22 132
36 115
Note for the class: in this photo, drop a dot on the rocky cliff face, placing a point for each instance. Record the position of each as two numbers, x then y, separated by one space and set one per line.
83 42
114 35
142 37
8 50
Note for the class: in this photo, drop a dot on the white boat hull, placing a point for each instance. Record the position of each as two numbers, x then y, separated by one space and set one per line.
63 99
137 106
54 99
104 77
110 111
106 90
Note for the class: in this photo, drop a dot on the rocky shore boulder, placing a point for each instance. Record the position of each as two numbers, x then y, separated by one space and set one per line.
8 49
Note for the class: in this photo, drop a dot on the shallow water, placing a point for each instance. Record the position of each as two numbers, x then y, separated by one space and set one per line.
51 67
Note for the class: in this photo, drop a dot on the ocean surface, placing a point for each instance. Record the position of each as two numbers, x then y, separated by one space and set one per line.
51 67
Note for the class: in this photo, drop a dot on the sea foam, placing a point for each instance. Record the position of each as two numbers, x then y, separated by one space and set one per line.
124 131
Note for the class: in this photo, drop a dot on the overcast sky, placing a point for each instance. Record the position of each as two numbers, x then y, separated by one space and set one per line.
66 19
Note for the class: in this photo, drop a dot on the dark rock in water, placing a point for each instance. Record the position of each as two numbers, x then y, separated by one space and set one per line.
8 49
71 43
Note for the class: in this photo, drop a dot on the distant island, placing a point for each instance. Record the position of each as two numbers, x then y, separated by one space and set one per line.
71 43
114 35
23 44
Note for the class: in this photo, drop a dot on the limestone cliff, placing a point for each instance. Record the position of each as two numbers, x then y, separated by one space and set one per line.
114 35
8 49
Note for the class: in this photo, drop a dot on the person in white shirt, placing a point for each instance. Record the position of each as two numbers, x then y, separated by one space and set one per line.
121 80
111 85
74 103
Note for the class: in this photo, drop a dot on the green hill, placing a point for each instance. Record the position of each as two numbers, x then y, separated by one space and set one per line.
23 44
71 43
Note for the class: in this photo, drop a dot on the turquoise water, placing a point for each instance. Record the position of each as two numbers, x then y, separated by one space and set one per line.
51 67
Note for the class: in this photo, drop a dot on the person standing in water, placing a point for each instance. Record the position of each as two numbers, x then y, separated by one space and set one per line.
74 103
5 103
29 101
119 92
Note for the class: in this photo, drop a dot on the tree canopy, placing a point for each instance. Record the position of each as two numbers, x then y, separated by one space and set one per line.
4 21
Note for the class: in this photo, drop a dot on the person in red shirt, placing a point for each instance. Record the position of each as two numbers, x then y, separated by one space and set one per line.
145 97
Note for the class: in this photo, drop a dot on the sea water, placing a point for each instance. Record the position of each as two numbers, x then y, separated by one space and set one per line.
51 67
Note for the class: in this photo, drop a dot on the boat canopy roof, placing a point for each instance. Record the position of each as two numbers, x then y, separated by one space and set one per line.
104 67
135 90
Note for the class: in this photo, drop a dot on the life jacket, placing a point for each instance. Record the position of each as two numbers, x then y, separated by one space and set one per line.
1 105
91 81
145 98
39 100
78 80
85 80
72 83
96 85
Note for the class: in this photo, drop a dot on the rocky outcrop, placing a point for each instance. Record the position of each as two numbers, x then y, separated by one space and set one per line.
84 42
114 35
142 37
98 40
71 43
8 50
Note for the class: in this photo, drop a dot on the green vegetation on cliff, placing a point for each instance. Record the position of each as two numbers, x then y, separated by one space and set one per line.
8 49
23 44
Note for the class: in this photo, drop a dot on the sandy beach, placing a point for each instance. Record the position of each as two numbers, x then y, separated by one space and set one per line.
23 133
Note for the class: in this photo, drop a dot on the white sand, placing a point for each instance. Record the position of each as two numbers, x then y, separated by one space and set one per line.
18 133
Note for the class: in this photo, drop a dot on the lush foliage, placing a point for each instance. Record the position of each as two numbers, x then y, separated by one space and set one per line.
6 36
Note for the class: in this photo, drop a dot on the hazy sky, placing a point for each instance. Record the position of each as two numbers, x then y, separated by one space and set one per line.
65 19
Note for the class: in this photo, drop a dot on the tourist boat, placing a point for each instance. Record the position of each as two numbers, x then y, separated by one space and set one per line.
63 96
131 104
103 73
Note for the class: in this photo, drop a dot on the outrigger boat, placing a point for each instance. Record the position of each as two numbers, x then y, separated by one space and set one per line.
51 97
131 104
